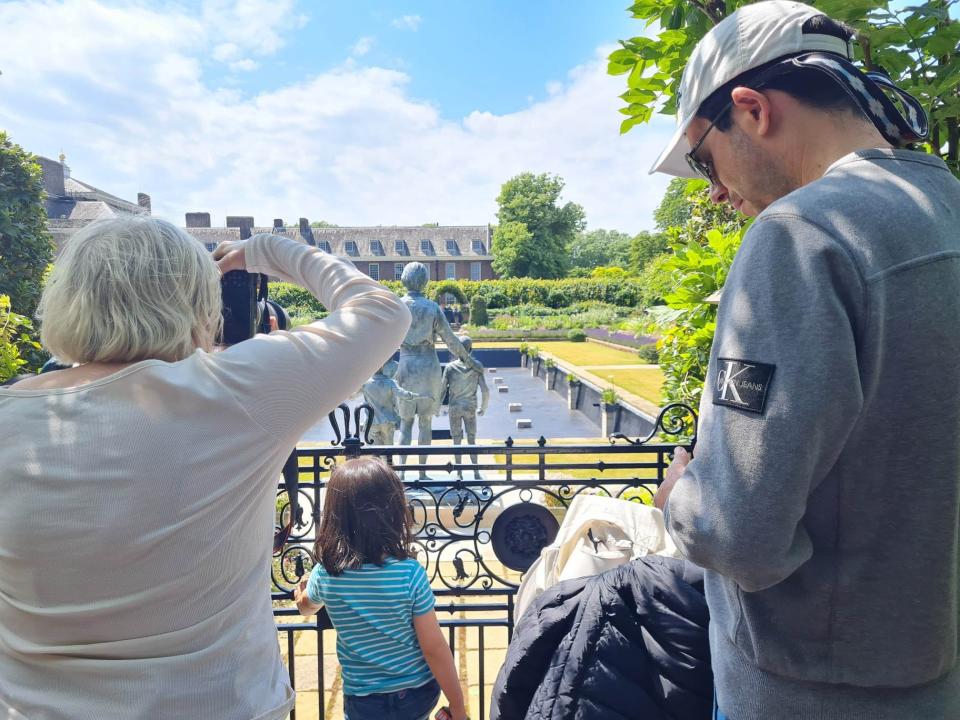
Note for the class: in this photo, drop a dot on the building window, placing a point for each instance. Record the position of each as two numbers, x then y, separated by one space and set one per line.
211 246
479 248
400 247
374 271
451 271
324 245
376 247
452 247
475 271
426 247
351 248
398 271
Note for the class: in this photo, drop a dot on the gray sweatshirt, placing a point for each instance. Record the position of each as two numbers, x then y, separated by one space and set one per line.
824 495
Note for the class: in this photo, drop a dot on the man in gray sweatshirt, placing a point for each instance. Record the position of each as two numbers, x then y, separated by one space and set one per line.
824 497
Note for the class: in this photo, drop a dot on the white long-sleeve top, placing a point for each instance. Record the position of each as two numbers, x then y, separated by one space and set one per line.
136 511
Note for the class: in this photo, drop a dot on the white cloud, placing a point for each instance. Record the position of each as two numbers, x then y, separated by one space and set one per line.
256 26
362 47
123 91
245 65
408 22
225 52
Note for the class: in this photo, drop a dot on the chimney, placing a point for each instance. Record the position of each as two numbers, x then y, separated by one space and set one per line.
198 220
143 200
239 221
306 232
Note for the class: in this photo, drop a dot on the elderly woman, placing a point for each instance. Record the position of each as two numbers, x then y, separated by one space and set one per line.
137 489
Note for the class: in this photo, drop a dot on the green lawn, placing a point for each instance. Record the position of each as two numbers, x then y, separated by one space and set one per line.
587 353
645 382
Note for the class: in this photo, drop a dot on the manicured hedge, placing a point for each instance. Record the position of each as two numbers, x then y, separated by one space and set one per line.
627 293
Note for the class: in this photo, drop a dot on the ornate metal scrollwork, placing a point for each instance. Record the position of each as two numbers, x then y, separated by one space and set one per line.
360 436
674 419
477 536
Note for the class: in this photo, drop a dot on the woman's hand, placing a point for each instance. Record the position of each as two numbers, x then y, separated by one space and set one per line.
230 255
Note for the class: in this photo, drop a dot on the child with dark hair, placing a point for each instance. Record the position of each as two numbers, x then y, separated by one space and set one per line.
393 655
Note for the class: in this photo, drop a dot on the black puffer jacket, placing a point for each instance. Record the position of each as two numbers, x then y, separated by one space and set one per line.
630 643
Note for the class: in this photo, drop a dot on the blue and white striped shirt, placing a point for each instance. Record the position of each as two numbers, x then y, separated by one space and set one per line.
372 610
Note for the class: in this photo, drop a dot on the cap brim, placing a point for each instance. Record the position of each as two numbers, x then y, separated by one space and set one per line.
672 160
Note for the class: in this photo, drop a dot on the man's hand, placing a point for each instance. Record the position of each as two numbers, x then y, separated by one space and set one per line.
481 411
681 459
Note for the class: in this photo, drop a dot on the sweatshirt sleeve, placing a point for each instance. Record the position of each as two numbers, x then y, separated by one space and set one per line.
287 380
781 396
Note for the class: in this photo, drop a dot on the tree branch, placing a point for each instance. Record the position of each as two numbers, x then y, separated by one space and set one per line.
711 8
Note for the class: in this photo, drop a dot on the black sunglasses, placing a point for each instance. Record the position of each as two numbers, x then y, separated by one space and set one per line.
705 169
701 168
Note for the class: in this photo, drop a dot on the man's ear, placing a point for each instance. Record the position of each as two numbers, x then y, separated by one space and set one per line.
756 107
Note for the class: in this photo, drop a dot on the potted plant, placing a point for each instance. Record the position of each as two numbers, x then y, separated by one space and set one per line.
549 375
534 352
524 347
573 391
609 401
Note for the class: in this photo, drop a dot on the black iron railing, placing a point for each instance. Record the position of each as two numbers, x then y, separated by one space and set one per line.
475 534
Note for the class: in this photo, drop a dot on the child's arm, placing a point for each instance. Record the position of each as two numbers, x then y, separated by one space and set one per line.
440 659
305 605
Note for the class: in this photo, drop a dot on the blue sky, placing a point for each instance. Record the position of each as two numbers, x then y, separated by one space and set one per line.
360 113
492 56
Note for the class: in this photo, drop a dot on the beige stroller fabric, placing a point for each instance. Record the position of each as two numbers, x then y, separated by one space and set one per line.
598 533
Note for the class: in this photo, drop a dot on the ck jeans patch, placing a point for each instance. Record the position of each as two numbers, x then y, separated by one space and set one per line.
742 384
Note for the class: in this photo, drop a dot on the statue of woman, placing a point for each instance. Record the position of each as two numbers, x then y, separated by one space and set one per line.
420 371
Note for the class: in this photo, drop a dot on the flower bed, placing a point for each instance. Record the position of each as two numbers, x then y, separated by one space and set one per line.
619 337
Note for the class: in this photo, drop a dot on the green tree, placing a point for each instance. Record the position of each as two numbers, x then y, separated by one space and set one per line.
656 280
703 250
916 44
15 340
25 245
674 209
321 224
535 230
644 247
478 311
609 272
596 248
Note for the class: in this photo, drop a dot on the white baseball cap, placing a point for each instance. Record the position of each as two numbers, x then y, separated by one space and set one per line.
747 38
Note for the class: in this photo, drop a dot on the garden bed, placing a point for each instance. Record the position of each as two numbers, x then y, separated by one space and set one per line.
619 337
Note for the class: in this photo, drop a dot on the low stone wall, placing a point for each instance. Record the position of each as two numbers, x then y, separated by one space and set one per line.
585 397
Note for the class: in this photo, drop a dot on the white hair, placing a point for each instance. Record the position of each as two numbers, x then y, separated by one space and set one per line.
129 289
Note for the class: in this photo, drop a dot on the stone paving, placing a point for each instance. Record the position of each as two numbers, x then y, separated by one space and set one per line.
548 410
